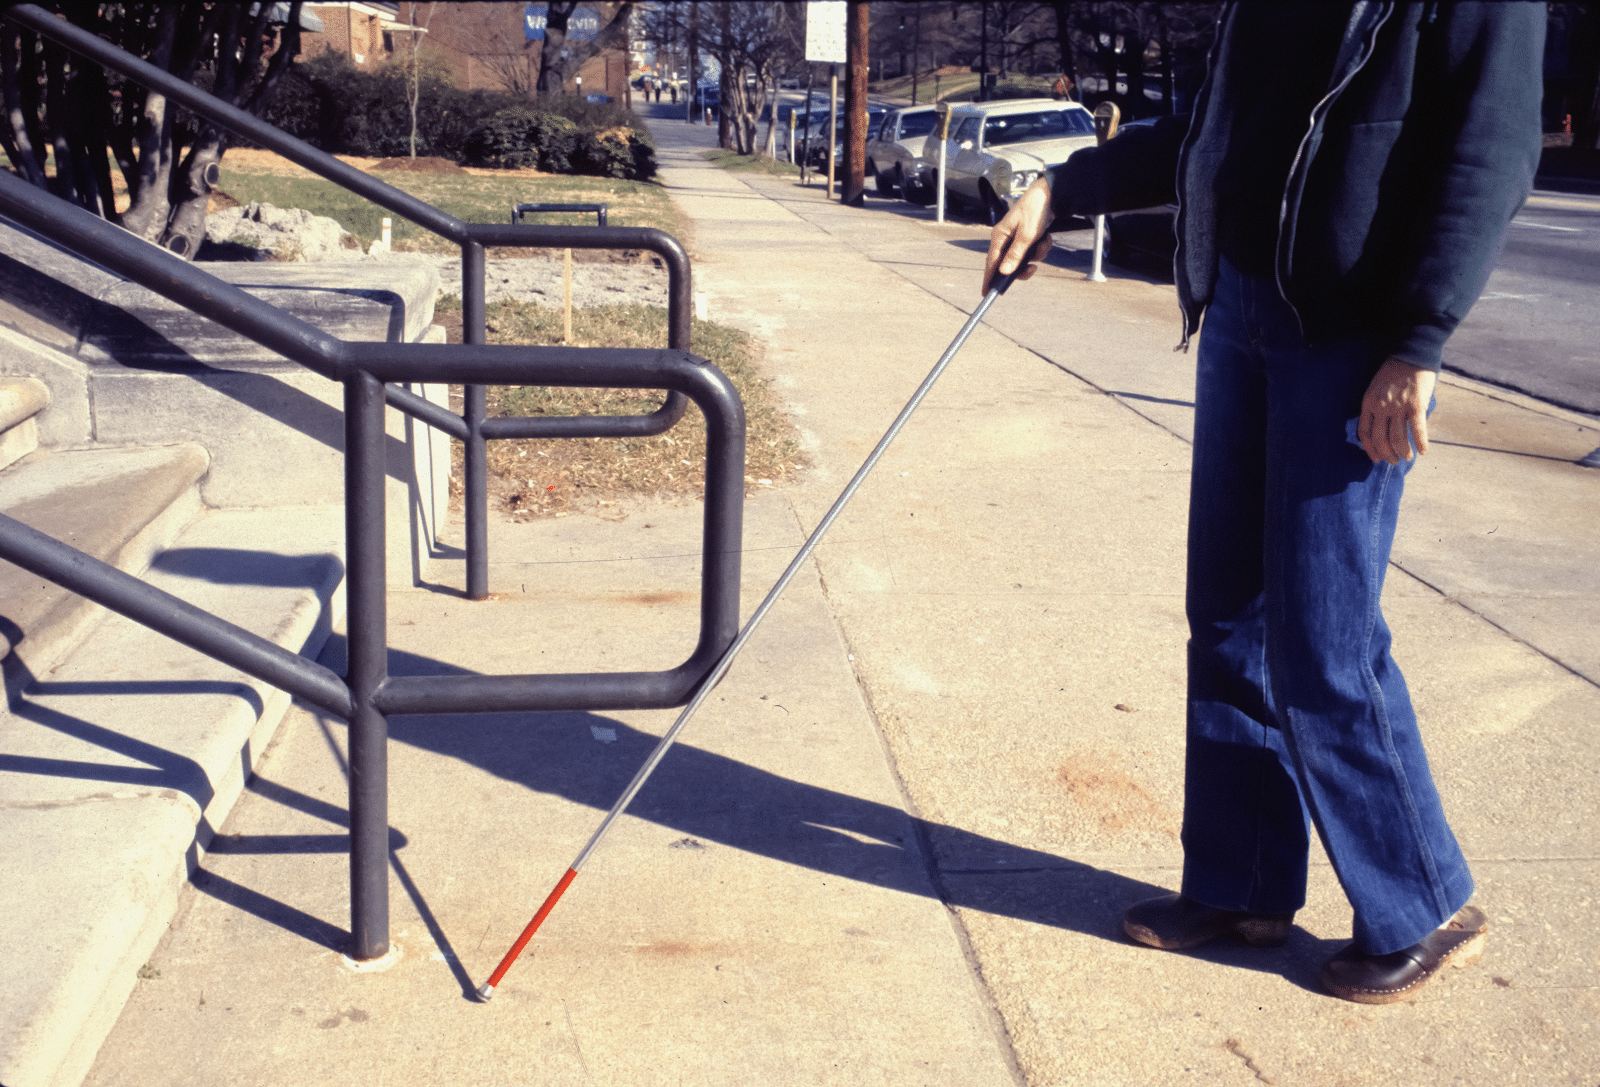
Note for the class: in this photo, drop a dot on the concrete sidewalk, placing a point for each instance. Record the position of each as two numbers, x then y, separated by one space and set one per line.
896 843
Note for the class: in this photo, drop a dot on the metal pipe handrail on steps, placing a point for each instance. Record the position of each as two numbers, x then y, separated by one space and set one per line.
469 236
367 694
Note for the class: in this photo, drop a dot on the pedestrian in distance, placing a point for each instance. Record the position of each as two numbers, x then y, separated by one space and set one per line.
1343 184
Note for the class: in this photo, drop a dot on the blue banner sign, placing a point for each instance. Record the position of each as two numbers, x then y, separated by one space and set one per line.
583 26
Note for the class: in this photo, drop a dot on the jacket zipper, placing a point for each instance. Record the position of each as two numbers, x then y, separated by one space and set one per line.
1318 113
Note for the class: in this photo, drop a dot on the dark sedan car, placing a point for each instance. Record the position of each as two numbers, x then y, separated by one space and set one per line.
1145 239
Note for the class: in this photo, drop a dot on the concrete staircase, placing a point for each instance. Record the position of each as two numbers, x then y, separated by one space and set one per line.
159 443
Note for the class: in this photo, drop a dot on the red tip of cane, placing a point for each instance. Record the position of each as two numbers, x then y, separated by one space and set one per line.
527 934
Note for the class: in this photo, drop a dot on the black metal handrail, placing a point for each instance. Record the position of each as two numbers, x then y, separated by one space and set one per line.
366 694
597 210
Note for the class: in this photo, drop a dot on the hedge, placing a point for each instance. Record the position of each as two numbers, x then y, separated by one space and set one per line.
330 103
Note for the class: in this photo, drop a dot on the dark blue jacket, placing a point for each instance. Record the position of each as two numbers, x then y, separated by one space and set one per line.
1411 166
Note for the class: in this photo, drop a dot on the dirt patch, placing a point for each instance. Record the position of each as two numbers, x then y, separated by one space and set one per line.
1119 801
419 165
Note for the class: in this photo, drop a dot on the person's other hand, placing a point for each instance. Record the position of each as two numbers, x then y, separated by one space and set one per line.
1022 238
1396 402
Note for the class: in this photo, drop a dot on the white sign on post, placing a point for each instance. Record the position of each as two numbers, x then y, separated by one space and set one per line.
825 31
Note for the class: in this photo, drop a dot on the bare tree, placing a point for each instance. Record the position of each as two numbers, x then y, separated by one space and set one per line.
752 42
414 68
55 100
1116 40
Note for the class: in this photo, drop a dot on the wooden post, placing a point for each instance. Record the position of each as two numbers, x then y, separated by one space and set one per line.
856 44
833 122
566 294
855 126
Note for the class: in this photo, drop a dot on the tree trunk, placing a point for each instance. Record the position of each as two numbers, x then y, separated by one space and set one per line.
724 75
555 40
1069 61
147 189
20 146
186 226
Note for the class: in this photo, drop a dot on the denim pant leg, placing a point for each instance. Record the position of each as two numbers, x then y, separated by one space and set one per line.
1245 833
1344 717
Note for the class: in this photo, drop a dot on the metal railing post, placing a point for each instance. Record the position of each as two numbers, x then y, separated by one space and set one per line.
475 404
367 572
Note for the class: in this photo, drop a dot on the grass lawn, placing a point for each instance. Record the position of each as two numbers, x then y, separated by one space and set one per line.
556 476
962 87
479 196
559 476
729 160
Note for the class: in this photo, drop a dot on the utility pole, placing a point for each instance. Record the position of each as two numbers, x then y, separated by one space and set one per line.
694 59
916 50
854 190
983 53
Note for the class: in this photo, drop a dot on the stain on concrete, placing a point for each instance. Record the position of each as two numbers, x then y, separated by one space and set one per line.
1116 799
354 1015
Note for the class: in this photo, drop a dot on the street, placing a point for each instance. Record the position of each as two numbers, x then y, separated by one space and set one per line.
1536 326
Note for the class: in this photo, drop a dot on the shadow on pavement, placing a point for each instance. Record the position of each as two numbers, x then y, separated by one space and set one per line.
712 798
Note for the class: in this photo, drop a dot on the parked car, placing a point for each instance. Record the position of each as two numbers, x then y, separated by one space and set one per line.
1144 239
819 142
708 96
997 149
816 123
894 153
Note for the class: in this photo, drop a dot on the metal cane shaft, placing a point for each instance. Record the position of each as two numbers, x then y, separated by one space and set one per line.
720 669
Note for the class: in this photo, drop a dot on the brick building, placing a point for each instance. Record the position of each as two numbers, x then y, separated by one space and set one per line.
483 46
365 32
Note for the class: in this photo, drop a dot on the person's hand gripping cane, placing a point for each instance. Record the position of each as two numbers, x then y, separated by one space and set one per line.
1022 238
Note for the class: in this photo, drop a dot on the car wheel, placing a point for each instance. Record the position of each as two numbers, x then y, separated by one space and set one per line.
885 184
994 208
918 193
1117 250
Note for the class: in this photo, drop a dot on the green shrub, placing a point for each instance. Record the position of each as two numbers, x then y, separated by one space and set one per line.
549 141
615 152
330 103
522 137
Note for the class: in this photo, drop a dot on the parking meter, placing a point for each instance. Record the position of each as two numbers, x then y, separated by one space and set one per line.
1106 116
941 133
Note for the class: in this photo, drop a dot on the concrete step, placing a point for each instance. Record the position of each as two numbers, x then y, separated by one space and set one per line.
117 766
120 505
80 308
20 402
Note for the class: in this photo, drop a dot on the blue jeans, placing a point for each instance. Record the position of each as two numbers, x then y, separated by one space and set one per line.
1296 708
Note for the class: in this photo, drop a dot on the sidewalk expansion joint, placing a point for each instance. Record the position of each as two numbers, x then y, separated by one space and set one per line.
1552 658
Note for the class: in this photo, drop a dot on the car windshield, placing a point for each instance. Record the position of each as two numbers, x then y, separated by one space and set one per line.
874 118
1047 124
917 124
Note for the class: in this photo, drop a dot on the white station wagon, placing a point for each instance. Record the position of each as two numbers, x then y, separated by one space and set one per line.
997 149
